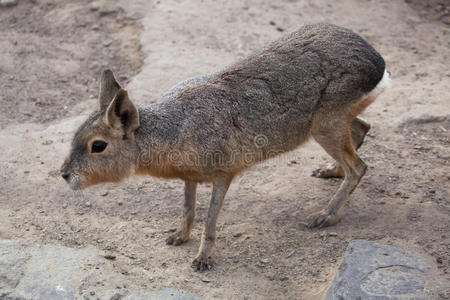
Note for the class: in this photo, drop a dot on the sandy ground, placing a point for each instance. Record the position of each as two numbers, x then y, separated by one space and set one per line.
50 61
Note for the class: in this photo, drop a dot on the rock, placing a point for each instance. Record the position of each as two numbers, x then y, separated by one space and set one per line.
374 271
8 3
205 279
48 272
12 261
332 233
265 260
109 256
44 276
290 254
116 296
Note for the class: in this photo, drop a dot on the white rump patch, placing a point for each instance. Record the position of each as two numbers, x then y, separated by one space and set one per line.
384 83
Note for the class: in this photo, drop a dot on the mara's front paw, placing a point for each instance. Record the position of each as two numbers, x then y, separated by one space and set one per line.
178 238
322 219
201 263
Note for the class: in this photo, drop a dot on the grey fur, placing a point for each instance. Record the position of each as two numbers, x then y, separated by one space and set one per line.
274 92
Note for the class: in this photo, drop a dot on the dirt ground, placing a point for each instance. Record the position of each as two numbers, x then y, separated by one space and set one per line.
52 53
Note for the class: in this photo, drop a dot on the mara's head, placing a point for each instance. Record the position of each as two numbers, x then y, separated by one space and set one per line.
104 148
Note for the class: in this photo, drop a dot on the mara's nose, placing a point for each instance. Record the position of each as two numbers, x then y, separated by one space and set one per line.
65 175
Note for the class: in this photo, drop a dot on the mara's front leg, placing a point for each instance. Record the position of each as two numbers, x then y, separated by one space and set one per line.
203 260
187 222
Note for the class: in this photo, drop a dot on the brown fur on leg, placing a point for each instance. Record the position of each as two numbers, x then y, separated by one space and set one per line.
335 138
359 129
203 260
187 222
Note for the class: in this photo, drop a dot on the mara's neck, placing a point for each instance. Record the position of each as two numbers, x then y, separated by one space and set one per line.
156 137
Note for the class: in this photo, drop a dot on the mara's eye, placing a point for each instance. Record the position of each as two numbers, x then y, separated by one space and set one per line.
98 146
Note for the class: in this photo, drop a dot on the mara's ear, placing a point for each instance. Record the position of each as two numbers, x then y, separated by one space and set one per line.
108 89
122 114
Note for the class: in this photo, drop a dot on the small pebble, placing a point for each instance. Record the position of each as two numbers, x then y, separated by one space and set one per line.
290 254
104 11
74 228
332 233
124 271
109 256
205 279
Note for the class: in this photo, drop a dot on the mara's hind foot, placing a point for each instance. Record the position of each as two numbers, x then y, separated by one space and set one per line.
178 238
331 170
323 218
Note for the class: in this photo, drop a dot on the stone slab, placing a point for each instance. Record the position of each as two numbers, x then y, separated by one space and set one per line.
47 272
373 271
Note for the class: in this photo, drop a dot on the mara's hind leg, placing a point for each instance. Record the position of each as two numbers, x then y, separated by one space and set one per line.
335 138
359 129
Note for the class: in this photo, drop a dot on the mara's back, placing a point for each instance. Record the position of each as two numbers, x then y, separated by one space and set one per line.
276 91
282 85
